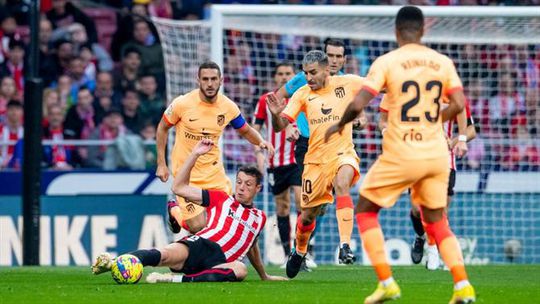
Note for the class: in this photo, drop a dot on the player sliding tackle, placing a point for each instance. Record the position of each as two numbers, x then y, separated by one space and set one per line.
415 152
215 253
333 164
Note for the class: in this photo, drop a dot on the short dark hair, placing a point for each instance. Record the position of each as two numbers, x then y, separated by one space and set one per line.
130 50
14 104
15 43
410 18
209 65
252 171
281 64
335 42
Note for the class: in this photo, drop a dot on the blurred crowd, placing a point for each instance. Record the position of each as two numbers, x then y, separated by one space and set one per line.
104 77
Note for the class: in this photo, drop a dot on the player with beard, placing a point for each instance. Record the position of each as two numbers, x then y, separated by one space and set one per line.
201 113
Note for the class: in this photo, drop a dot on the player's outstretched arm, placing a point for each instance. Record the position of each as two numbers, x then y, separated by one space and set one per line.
254 256
353 109
162 171
261 159
181 185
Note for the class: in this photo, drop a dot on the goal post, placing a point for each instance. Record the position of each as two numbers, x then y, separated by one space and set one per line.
496 209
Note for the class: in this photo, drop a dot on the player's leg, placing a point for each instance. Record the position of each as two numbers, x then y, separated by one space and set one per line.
344 212
173 255
227 272
383 184
283 220
304 227
417 249
430 192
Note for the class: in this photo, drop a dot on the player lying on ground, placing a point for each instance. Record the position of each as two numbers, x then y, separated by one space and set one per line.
201 113
331 165
415 151
215 253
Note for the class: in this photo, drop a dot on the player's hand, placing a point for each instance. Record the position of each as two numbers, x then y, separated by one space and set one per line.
461 149
333 129
360 122
268 147
274 278
292 133
274 105
203 146
162 172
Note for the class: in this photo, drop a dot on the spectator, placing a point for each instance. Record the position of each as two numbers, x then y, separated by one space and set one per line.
79 122
110 128
149 48
105 97
133 119
158 8
55 156
50 98
11 130
148 133
7 92
506 103
124 29
78 78
65 13
58 62
14 65
8 27
152 102
64 91
80 40
45 54
128 72
189 9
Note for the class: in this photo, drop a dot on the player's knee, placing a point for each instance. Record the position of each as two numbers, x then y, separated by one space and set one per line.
240 271
282 204
342 187
415 211
432 215
365 205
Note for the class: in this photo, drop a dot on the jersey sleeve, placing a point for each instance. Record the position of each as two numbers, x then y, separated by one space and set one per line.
212 198
238 120
173 113
376 79
298 81
260 111
454 82
294 107
356 83
383 106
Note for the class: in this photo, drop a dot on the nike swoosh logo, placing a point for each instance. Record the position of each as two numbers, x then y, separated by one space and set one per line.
193 119
312 98
347 220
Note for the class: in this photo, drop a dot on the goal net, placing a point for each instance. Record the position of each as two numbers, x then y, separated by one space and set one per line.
496 209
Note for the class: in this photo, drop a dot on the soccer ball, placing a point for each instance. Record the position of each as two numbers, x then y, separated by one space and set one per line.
127 269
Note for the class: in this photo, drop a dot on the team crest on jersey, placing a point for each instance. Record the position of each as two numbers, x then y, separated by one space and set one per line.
220 120
190 208
305 198
340 92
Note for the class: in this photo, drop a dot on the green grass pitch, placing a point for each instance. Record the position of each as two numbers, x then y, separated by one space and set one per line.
328 284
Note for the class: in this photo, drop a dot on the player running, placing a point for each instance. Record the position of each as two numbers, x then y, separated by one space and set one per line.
327 165
299 131
283 171
415 152
201 113
215 253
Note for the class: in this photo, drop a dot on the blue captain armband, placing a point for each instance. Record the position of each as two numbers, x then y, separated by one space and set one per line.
238 122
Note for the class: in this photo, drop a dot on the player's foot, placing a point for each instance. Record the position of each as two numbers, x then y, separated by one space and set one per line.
346 256
294 264
156 277
383 294
103 263
417 250
310 261
433 261
173 224
463 295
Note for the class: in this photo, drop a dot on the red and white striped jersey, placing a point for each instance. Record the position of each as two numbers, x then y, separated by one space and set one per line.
284 154
449 130
231 225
